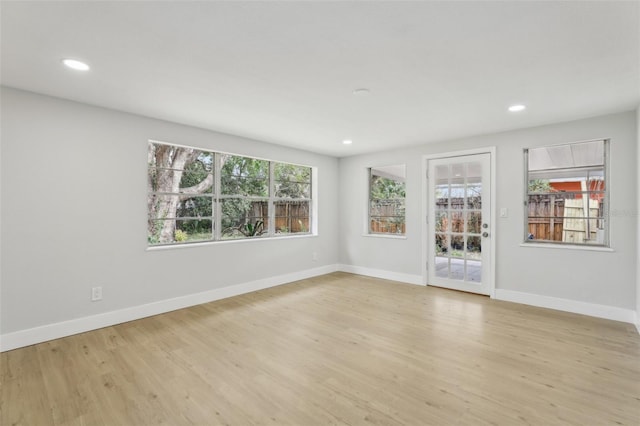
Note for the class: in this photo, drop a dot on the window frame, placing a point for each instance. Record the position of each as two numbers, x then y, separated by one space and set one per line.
605 218
216 196
388 234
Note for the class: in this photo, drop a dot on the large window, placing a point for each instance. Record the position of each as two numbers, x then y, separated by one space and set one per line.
567 197
387 200
197 195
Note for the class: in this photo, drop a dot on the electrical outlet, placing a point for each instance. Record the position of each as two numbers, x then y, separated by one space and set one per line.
96 294
314 256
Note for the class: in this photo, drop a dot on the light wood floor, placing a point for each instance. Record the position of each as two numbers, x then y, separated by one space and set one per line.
337 349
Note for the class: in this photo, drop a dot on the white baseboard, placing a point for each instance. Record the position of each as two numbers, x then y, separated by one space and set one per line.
567 305
47 332
379 273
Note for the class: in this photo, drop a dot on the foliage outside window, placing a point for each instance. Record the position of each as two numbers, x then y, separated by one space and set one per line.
567 197
196 195
387 193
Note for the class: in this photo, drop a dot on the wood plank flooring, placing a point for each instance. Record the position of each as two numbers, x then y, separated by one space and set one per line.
338 349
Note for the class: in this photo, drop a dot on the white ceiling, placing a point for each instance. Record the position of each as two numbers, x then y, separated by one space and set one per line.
285 72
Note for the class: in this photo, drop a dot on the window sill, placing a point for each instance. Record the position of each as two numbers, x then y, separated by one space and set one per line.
390 236
230 241
568 247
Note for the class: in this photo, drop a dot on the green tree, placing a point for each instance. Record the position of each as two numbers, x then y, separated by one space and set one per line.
540 185
383 188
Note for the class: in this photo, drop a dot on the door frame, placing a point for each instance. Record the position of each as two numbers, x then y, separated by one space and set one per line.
491 150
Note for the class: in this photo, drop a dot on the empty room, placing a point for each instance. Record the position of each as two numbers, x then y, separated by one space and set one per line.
320 212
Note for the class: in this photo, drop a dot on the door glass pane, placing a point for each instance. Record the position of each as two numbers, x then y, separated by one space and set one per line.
457 269
457 221
442 187
457 246
474 247
442 221
442 267
474 222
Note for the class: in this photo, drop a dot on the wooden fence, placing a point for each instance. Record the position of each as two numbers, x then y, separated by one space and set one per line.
545 218
387 216
291 216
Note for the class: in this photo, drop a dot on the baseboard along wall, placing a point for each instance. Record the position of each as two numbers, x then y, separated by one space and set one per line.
48 332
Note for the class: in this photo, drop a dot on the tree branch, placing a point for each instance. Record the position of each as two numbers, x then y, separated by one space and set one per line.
199 188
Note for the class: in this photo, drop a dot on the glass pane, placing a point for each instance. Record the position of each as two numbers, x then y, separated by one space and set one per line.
580 230
442 267
474 196
250 187
442 187
292 181
457 174
474 270
386 207
160 180
457 269
293 190
457 246
197 176
442 197
383 188
474 248
442 221
474 222
387 225
163 206
242 218
178 157
457 203
244 176
581 154
195 207
457 221
442 244
291 173
192 180
442 174
172 231
292 217
545 206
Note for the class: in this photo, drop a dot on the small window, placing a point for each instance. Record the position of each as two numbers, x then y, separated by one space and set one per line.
387 200
567 197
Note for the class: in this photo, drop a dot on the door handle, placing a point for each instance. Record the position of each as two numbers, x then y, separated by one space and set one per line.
485 234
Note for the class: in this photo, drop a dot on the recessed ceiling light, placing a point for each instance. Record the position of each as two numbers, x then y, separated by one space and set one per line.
75 64
347 142
361 92
517 108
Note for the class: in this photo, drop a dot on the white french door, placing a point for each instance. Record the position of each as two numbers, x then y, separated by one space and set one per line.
459 232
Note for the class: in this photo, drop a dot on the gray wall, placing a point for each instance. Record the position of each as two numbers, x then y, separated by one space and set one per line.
74 206
605 278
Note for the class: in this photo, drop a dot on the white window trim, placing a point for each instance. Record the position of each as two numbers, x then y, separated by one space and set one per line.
271 199
367 227
607 246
